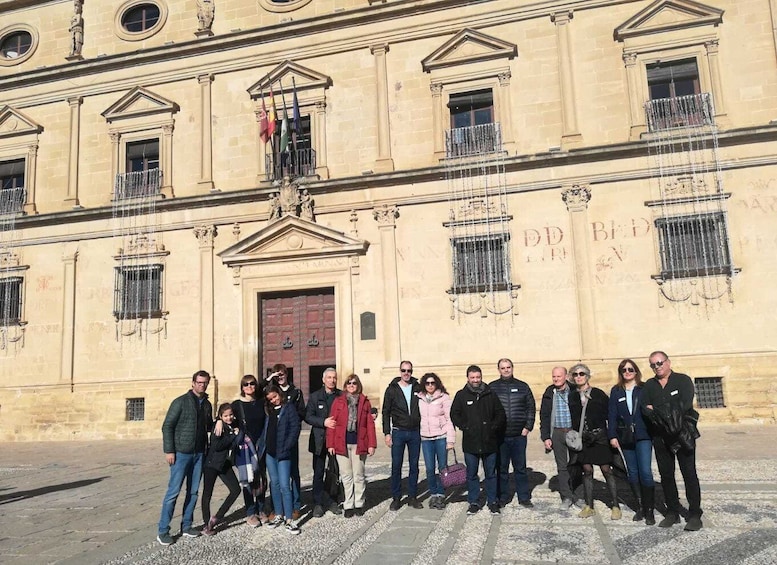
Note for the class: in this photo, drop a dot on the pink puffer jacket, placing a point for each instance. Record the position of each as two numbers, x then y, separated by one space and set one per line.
436 416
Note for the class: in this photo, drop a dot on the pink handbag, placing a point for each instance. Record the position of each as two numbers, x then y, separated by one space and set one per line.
454 475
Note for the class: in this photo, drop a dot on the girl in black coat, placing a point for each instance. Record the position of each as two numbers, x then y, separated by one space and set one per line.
218 463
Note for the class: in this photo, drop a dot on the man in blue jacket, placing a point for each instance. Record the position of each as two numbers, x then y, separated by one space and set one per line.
185 440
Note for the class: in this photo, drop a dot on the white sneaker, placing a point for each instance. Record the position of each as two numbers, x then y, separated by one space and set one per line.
292 528
275 522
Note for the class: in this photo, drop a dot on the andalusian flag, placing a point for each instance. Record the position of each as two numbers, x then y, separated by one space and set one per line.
284 146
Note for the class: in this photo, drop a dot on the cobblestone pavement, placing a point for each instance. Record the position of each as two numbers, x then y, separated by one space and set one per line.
98 502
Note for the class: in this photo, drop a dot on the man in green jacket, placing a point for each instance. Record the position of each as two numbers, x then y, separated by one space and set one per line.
185 440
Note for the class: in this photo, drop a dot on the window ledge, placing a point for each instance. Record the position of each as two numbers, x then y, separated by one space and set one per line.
697 273
484 289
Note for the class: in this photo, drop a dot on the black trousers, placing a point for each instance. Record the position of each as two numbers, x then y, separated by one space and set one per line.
228 477
319 465
686 459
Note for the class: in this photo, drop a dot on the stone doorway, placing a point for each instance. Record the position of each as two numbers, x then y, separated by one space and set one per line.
298 330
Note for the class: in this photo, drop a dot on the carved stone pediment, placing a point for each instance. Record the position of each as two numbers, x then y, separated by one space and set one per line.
468 46
290 239
286 73
139 102
14 123
666 15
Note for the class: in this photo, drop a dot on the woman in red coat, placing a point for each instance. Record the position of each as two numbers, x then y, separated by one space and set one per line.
352 440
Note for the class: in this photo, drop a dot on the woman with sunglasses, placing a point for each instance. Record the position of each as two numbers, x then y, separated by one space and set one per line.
352 439
596 449
437 434
249 412
627 431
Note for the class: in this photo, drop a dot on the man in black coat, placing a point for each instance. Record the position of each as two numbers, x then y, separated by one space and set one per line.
479 414
518 401
317 415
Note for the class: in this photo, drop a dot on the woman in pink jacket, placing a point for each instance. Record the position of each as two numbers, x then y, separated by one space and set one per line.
437 434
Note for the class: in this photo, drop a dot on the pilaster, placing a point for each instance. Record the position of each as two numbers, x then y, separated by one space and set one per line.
384 162
570 134
386 217
67 343
205 237
73 151
319 139
206 133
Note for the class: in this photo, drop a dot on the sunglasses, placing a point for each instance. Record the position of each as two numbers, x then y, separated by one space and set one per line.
580 374
351 383
657 364
249 384
628 370
406 371
427 383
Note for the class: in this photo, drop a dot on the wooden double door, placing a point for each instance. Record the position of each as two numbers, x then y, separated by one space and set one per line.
298 330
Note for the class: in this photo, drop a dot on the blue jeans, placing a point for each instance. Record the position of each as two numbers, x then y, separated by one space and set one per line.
435 449
638 463
295 480
280 485
400 439
513 450
473 482
187 467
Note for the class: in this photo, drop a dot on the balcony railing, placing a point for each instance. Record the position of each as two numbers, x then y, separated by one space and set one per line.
690 111
140 184
299 163
12 200
473 140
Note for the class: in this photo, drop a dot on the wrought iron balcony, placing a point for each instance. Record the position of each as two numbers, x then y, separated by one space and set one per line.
690 111
140 184
473 140
299 163
12 200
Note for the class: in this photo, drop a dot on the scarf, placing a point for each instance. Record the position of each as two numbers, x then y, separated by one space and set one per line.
247 462
353 405
480 389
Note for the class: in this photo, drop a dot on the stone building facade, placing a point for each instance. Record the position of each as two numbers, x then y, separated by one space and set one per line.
554 182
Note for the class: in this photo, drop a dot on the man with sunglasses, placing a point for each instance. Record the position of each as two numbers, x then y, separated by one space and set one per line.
668 391
402 429
185 439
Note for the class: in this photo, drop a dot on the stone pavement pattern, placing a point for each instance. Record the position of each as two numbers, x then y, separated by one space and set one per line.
98 502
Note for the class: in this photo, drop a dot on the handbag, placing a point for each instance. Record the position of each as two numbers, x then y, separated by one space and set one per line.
454 475
333 485
574 438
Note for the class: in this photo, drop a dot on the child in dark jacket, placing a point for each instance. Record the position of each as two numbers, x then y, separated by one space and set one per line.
218 463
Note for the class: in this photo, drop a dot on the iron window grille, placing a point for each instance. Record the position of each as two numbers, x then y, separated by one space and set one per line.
693 246
136 409
11 301
138 292
481 263
709 392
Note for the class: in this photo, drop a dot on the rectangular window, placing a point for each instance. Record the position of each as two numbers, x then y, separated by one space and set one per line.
709 392
10 301
138 292
142 155
143 176
473 131
671 79
481 263
12 192
676 99
471 108
694 245
298 158
136 409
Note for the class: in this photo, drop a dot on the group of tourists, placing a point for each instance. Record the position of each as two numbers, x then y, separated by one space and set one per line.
258 434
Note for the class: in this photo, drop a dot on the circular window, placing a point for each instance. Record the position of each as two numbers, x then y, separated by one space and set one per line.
140 19
17 44
282 5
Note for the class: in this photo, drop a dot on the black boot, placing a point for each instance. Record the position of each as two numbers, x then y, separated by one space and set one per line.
649 504
588 490
612 487
638 514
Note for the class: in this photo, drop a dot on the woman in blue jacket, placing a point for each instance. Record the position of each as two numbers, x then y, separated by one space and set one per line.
279 440
627 430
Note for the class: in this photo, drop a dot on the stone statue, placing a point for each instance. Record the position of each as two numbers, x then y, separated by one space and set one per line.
306 206
289 196
206 11
275 206
76 29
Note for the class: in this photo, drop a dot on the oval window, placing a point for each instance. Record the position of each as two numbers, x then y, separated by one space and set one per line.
15 44
140 18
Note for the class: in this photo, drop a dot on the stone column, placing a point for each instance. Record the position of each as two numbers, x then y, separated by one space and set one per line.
576 198
30 175
438 127
392 345
67 344
718 98
634 92
505 112
206 133
73 151
205 237
384 163
319 139
115 141
570 134
167 160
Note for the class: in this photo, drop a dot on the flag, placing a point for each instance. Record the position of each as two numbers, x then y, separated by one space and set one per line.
264 124
297 127
284 146
273 115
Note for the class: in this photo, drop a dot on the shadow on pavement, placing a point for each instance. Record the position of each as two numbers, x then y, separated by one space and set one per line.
25 494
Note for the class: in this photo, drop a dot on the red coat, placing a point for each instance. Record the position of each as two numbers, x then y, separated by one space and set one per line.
365 426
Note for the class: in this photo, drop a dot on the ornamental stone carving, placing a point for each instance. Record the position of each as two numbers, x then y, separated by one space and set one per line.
576 197
386 214
291 199
205 235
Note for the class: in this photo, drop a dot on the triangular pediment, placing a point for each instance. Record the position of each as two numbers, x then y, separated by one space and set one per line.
468 46
288 74
290 239
139 102
667 15
13 123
